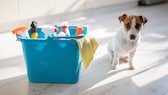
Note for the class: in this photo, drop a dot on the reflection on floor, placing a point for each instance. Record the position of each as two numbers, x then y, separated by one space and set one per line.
151 59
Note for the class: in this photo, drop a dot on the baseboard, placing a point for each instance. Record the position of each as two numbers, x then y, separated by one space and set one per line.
150 2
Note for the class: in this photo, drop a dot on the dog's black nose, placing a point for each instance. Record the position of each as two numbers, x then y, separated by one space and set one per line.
132 37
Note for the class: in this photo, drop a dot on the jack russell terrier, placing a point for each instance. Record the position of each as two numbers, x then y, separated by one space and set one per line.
123 46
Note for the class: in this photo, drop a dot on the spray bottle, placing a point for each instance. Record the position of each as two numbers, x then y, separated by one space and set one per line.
34 30
65 28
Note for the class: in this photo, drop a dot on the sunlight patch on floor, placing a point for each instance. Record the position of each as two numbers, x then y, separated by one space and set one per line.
110 79
9 47
150 75
11 72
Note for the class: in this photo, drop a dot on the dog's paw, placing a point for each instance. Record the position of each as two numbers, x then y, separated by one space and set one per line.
113 67
131 68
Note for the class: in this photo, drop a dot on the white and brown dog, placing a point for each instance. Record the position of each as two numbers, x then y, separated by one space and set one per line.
125 42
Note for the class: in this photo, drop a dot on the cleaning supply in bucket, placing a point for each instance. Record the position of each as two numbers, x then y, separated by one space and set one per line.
34 30
49 31
79 30
65 28
21 32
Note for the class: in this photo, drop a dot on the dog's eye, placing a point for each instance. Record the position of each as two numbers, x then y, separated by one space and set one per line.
128 26
137 26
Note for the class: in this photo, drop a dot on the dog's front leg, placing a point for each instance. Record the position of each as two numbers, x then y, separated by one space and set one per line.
131 55
115 61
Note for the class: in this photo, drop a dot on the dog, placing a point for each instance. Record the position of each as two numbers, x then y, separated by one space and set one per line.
123 45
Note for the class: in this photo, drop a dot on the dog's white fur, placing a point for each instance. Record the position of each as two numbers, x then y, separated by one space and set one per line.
121 47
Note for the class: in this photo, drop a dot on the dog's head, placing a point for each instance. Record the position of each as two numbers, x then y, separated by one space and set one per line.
132 25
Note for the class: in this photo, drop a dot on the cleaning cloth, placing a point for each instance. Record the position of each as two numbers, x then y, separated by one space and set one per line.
87 46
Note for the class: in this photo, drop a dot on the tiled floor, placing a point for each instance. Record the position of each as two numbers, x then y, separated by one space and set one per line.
151 59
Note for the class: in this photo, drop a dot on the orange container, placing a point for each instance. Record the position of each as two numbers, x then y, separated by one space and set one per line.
79 30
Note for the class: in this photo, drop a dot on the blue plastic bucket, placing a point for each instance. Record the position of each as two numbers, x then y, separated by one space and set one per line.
53 60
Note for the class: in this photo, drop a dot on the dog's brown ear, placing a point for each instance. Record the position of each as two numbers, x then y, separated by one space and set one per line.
122 18
143 19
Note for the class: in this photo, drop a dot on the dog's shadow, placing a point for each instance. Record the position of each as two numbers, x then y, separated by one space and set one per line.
103 66
99 70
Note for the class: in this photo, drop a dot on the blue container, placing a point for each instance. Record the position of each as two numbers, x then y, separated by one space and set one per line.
53 60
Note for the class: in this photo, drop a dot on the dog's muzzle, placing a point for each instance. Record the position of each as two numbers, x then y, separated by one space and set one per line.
132 37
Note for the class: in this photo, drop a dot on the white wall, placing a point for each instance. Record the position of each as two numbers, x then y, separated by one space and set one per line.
9 10
14 13
14 10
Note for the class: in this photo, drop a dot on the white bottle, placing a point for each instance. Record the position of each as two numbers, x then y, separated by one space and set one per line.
49 31
65 28
23 34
